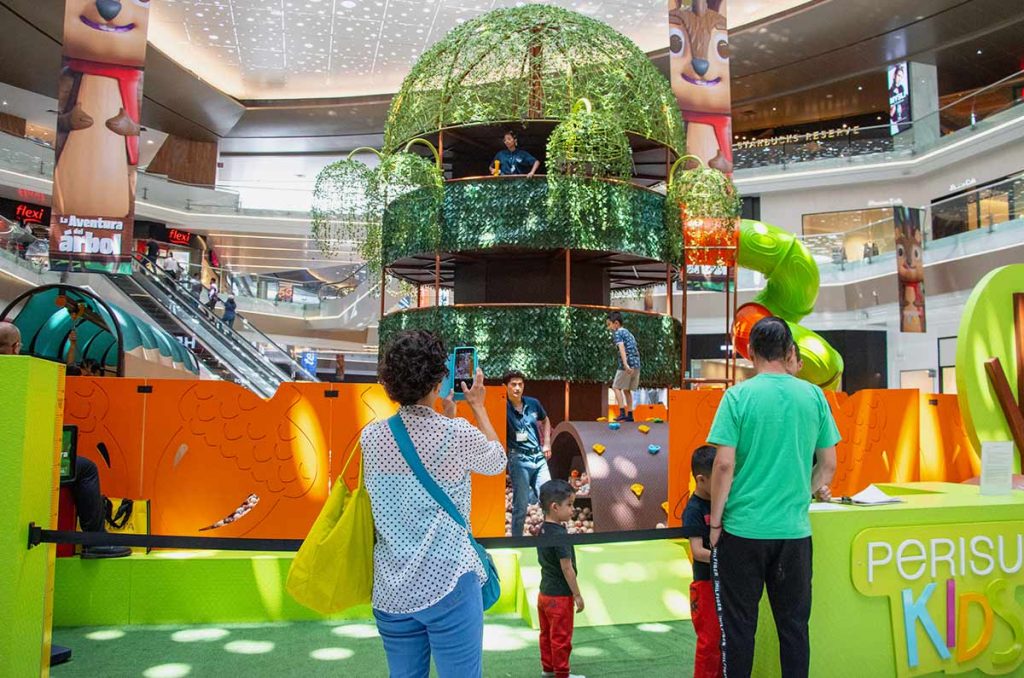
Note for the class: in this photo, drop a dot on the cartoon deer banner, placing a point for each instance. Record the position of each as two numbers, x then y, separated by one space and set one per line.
699 64
97 151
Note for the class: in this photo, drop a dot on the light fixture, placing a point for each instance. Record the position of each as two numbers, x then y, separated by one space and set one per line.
860 88
773 108
979 51
149 141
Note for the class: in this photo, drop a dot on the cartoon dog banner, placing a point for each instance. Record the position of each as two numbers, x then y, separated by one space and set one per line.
699 64
910 268
97 152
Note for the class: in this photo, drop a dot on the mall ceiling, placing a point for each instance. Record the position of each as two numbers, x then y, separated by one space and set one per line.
785 50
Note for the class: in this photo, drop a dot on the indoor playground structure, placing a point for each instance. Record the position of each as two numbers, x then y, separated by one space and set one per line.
534 265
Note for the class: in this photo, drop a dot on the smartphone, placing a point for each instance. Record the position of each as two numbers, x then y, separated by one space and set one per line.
465 367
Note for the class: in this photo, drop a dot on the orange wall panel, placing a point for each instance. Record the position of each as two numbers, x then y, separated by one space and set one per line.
109 415
690 417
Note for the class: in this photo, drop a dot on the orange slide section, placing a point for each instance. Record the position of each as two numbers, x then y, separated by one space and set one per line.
197 450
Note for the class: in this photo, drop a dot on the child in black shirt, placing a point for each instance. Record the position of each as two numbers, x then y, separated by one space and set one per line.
559 591
707 660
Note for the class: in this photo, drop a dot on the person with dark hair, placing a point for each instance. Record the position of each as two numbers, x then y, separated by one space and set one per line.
230 311
528 442
627 377
559 590
707 658
514 160
796 364
767 431
426 573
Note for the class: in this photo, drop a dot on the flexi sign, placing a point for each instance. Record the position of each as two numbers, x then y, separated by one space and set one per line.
953 594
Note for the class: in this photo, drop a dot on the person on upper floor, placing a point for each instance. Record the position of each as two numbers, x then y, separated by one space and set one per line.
514 160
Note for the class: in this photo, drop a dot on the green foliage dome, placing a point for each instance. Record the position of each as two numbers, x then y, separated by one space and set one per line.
589 143
705 191
344 208
532 63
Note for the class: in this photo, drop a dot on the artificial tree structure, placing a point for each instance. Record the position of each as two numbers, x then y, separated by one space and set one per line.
532 261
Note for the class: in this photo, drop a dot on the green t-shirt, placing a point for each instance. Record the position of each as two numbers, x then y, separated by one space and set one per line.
775 422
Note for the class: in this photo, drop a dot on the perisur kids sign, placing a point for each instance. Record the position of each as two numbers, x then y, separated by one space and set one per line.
97 151
954 594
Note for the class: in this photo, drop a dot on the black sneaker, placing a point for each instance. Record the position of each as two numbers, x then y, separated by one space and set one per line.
623 417
96 552
628 417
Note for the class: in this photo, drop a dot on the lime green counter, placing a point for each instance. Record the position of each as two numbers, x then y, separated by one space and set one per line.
931 586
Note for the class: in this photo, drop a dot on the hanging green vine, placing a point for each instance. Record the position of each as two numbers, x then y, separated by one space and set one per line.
548 342
345 210
532 63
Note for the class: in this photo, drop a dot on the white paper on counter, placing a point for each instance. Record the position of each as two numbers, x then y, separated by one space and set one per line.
996 467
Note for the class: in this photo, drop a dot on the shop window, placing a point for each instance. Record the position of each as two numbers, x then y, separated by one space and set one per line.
851 235
922 380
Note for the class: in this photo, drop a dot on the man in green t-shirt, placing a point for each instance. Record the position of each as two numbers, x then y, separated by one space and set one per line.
768 431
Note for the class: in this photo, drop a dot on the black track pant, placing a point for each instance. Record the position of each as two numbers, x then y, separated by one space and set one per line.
742 569
88 500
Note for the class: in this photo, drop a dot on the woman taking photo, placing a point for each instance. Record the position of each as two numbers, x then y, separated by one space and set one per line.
427 576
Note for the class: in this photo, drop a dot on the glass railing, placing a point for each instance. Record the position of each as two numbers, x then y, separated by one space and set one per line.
844 144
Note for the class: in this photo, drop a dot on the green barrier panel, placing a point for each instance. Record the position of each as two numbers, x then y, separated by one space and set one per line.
30 424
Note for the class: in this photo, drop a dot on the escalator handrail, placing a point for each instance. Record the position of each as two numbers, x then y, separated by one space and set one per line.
171 287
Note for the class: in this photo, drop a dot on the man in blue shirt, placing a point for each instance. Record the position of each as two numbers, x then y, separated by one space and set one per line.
627 376
528 442
514 160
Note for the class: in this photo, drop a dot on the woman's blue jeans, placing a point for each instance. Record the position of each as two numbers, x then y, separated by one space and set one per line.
452 630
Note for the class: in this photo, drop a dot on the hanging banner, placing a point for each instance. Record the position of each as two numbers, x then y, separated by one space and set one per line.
910 268
699 64
97 150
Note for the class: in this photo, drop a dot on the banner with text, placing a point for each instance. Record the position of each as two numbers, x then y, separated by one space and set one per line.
97 149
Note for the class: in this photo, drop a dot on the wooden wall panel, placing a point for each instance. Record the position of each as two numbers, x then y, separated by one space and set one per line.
187 161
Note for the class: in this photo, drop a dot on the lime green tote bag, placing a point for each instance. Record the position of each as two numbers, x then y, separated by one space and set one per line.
333 569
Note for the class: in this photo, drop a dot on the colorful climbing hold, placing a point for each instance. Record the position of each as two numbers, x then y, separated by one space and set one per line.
602 418
656 420
615 426
637 489
653 449
598 448
664 506
643 428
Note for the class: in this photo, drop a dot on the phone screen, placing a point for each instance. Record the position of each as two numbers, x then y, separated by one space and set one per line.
464 367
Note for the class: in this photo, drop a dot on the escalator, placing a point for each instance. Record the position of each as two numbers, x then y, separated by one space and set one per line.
221 349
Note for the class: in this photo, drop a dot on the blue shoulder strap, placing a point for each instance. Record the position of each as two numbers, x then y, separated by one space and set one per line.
408 450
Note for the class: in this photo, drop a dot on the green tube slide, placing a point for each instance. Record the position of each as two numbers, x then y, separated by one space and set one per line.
790 292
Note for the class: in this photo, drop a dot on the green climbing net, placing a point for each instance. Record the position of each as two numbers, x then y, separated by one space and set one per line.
532 63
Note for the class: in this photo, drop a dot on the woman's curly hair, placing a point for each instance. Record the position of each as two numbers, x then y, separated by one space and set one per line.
413 363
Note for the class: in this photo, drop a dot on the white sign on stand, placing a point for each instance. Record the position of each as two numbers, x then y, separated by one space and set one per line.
996 467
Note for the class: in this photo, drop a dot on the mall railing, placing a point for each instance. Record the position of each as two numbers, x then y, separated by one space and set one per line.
977 110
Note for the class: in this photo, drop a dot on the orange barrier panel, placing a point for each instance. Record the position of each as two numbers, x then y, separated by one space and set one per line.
109 416
198 449
691 414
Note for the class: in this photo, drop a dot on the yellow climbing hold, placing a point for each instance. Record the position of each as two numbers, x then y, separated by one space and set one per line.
664 506
643 428
602 418
637 488
598 448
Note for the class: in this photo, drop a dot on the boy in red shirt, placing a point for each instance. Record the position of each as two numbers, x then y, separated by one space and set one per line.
707 660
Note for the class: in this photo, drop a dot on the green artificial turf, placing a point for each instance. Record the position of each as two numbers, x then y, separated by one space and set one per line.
278 650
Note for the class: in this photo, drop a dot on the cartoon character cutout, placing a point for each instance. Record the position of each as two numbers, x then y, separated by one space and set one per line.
699 64
98 117
910 263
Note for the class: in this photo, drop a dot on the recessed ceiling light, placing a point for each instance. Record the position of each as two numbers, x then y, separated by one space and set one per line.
5 103
860 88
214 37
979 51
347 4
773 108
149 141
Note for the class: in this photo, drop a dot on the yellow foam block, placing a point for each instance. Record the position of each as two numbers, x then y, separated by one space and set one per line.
637 489
602 418
598 448
643 428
